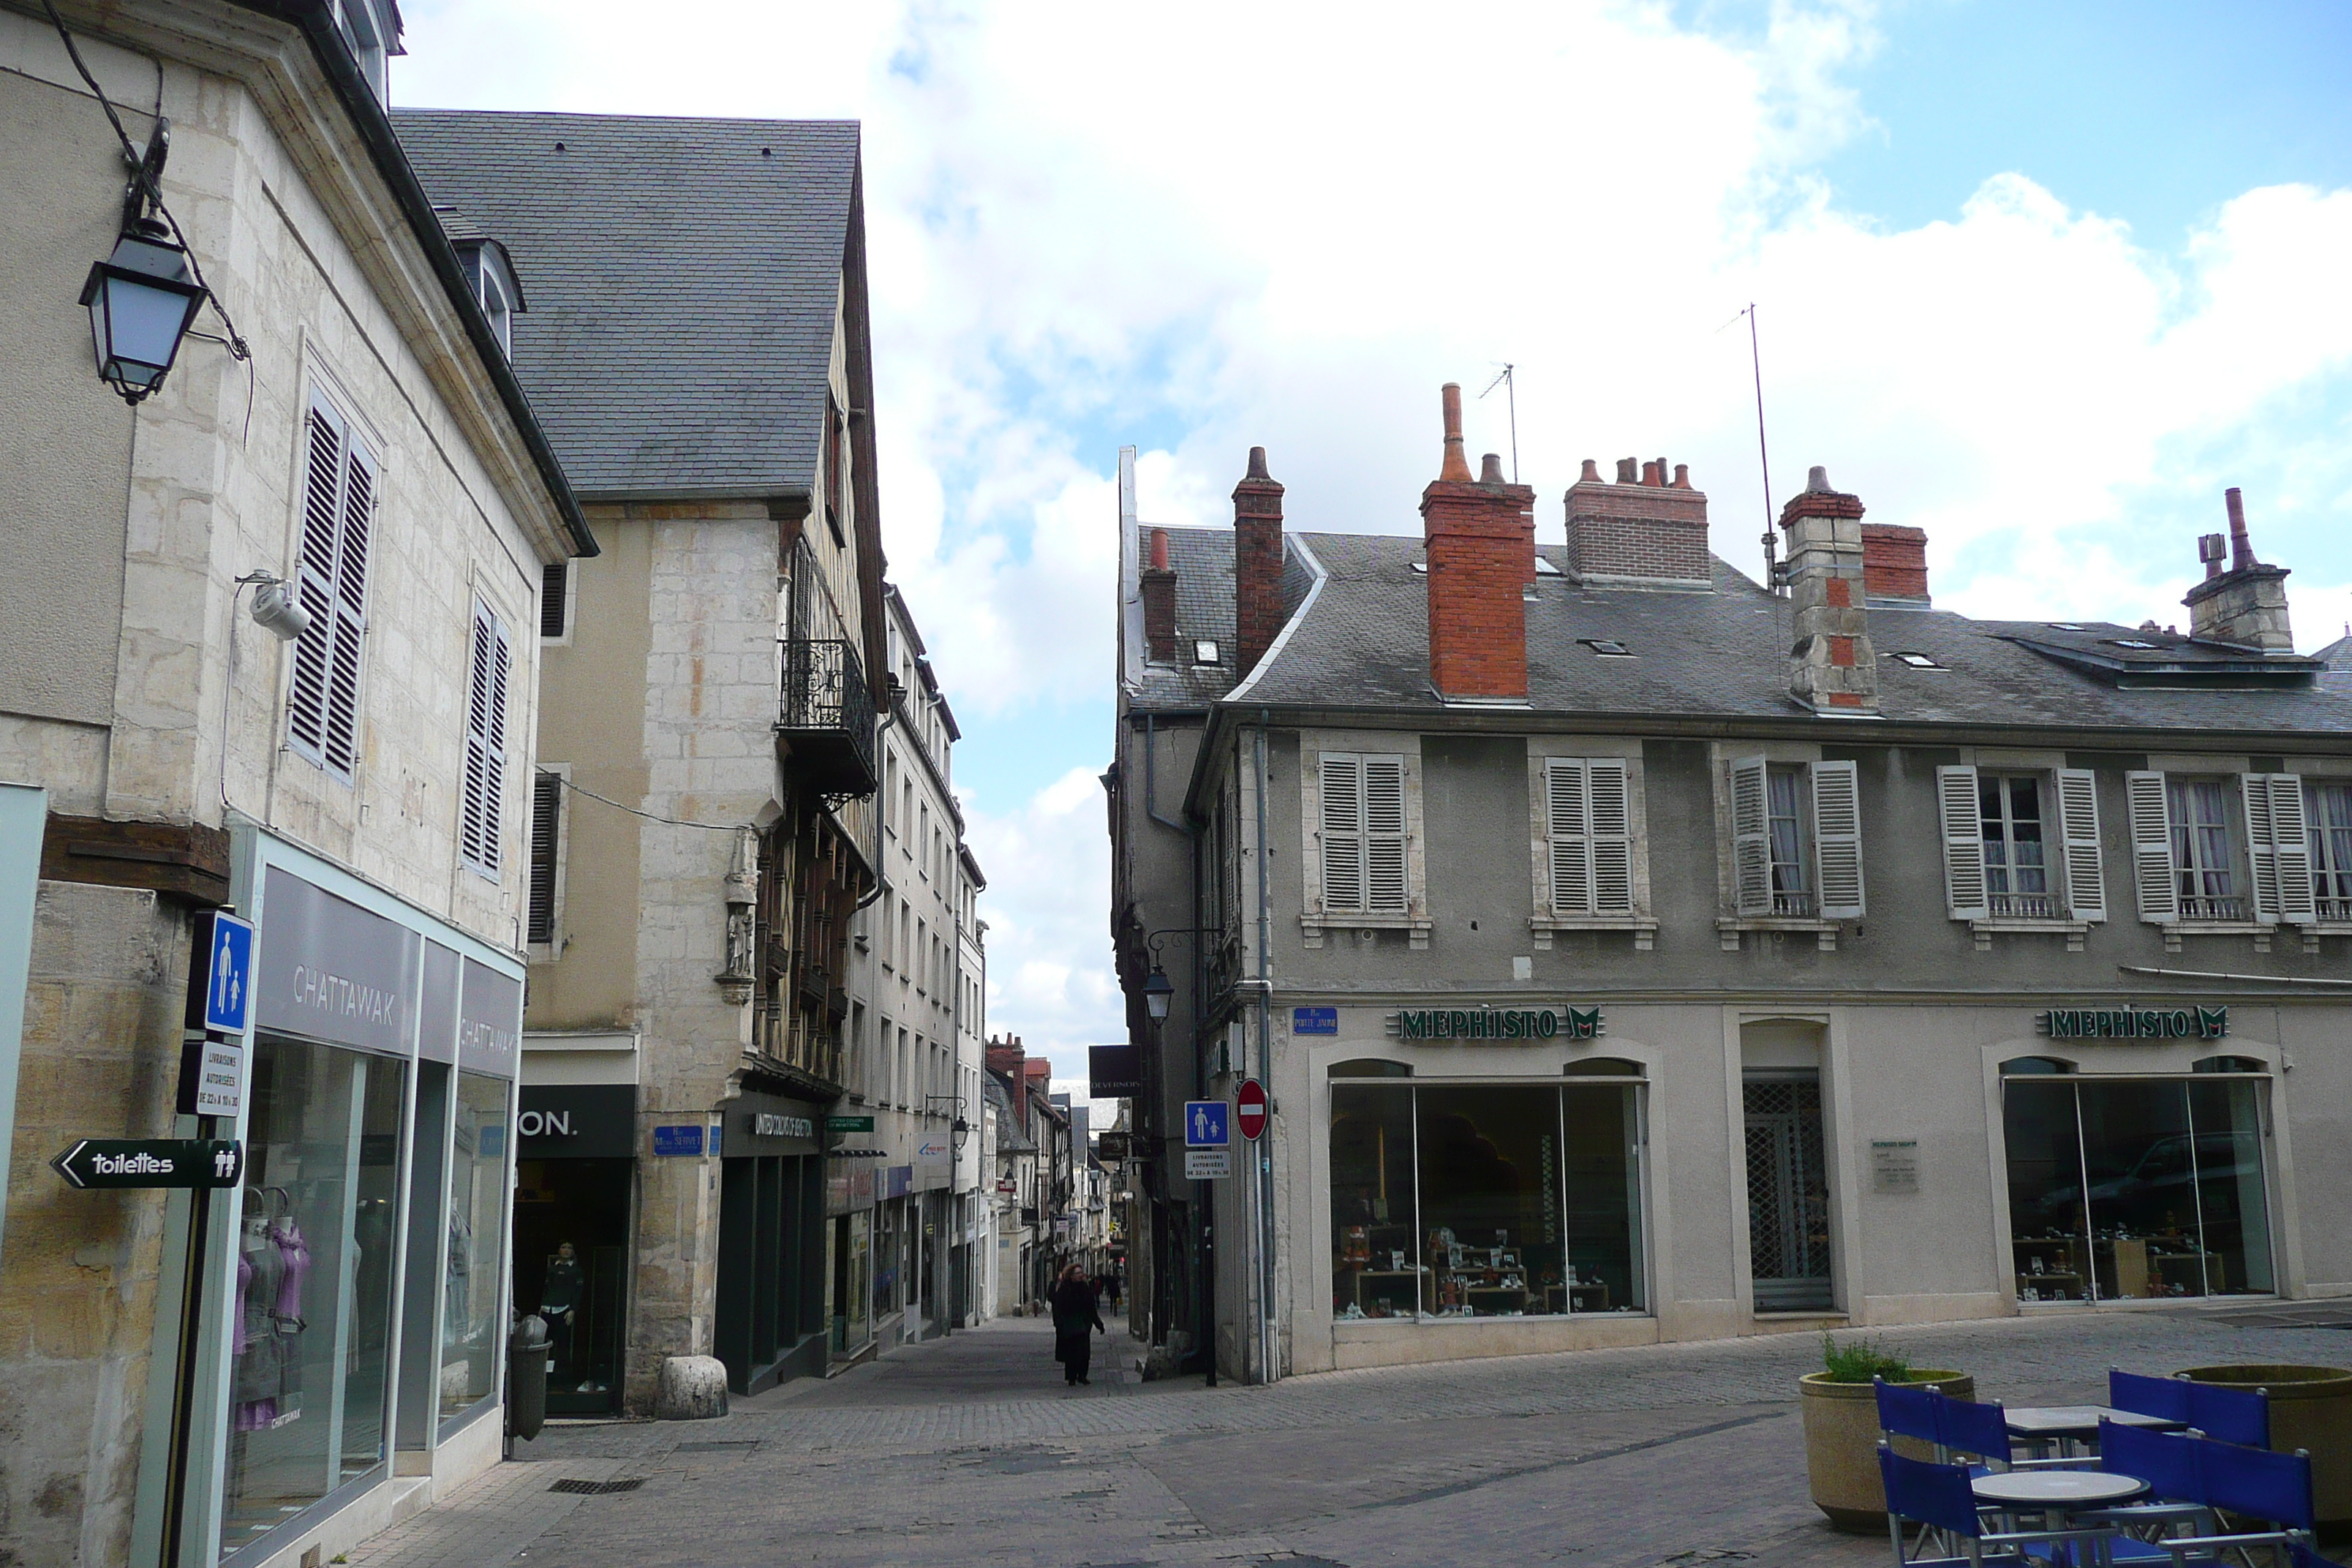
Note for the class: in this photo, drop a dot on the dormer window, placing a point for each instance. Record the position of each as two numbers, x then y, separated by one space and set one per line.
489 273
372 29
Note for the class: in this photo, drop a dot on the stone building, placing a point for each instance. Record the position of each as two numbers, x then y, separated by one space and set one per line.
269 1372
704 826
1633 952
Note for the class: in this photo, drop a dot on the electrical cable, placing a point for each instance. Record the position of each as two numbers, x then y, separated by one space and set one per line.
648 816
236 344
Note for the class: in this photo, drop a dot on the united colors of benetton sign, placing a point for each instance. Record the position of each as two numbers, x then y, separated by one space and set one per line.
2134 1022
1496 1024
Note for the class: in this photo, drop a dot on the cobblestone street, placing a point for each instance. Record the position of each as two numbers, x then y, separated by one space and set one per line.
970 1450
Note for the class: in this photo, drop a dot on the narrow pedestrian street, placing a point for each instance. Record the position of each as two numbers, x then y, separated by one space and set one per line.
970 1450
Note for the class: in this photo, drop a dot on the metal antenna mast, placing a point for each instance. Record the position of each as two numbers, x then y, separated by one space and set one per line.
1510 390
1763 455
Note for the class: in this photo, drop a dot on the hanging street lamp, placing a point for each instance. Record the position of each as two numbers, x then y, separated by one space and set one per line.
141 300
1156 990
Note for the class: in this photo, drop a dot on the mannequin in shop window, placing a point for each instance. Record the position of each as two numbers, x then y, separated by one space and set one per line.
559 1301
271 1265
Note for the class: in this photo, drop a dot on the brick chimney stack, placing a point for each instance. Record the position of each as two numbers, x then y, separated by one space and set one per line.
1257 563
1479 536
1159 584
1831 666
2245 604
1005 1057
1895 564
1645 532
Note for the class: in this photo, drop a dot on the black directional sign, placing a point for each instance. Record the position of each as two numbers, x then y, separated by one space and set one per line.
152 1162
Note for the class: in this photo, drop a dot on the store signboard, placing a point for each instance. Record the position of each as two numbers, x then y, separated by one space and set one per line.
849 1124
1113 1071
437 1031
2191 1023
329 970
489 1022
1496 1024
1894 1164
577 1121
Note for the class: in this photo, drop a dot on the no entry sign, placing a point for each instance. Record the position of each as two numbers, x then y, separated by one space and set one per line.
1249 1106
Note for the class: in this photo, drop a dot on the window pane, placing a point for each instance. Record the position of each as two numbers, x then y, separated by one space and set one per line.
2135 1151
477 1188
1604 1199
1490 1201
2025 831
2048 1229
2231 1200
1374 1233
1996 833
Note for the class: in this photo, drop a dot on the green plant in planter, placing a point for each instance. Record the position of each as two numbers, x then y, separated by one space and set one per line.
1860 1361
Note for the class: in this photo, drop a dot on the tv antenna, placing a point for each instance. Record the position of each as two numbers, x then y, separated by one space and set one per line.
1763 455
1511 393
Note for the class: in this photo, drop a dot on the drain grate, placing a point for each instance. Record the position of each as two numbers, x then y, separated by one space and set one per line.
597 1489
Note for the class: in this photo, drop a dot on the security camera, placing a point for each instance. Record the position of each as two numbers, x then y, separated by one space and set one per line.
273 609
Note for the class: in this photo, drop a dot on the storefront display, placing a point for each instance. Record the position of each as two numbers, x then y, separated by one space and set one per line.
2136 1188
1481 1201
470 1339
770 1305
575 1182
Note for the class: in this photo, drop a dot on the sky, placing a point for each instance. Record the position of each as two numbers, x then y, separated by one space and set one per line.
2041 279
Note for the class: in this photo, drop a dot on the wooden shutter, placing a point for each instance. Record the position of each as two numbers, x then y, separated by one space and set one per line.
2078 844
1751 848
480 811
1343 832
1386 889
1612 836
1964 862
341 744
1570 833
322 485
2291 851
1837 839
2255 789
546 807
2151 835
554 584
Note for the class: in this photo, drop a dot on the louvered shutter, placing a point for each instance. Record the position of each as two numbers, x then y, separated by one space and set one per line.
322 486
1612 836
1385 889
2151 835
1837 839
1343 833
1570 833
2255 790
2078 843
554 583
1751 849
2291 851
340 747
494 772
546 804
486 733
1964 862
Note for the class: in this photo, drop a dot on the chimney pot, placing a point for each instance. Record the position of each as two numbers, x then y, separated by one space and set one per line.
2245 604
1456 465
1258 464
1158 590
1591 475
2211 549
1490 470
1817 481
2241 548
1159 550
1650 476
1625 467
1682 476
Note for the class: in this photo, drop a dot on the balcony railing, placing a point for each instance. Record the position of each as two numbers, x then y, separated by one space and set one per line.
1796 905
827 717
2231 910
2024 906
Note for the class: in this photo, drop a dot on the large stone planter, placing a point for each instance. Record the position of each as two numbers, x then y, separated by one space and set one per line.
1841 1444
2311 1408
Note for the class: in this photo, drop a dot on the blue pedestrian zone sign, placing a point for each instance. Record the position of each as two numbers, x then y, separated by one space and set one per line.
1206 1125
228 973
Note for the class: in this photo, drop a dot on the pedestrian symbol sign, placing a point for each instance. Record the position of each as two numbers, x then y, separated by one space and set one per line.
1206 1125
228 974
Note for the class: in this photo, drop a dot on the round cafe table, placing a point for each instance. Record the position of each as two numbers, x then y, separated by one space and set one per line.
2056 1493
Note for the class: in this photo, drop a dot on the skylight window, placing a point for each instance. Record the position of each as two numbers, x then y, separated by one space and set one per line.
1917 661
2132 643
1545 568
1607 647
2067 627
1204 651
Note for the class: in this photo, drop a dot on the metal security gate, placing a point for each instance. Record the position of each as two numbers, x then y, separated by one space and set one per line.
1788 1194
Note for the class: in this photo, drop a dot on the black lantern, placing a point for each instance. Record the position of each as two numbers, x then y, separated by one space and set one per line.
1156 990
961 1130
140 303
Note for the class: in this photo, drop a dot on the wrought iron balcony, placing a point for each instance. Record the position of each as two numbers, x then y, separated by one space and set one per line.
827 717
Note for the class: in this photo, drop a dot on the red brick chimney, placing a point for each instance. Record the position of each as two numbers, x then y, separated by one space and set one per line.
1895 564
1479 536
1007 1058
1645 531
1159 583
1257 564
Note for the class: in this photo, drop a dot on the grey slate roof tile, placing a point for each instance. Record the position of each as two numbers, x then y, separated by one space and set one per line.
683 283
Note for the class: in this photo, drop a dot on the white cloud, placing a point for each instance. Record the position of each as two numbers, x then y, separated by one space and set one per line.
1049 979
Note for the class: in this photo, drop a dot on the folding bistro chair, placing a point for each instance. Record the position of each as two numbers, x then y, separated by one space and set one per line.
2166 1398
2225 1415
1940 1497
1908 1410
2229 1486
2167 1463
1982 1430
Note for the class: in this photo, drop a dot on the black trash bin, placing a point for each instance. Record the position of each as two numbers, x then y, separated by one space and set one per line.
527 1377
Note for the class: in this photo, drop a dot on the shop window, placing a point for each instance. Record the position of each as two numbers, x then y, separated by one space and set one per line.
1603 1066
2229 1064
1796 840
2134 1189
2030 1065
470 1333
2327 819
1485 1201
312 1303
1369 1067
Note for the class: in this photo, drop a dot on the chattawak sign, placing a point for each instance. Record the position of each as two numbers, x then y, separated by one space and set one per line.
2134 1022
1496 1024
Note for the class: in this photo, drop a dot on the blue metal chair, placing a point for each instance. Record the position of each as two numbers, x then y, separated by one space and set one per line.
2231 1414
1908 1410
2166 1398
2211 1486
1940 1497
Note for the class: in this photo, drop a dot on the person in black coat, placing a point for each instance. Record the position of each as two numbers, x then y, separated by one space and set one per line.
1073 1302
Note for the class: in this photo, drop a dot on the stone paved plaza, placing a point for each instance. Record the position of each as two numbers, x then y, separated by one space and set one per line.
972 1451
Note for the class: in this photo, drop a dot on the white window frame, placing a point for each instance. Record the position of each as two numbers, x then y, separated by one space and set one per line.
2072 860
331 653
1554 848
2267 899
1321 916
1831 845
2334 908
481 814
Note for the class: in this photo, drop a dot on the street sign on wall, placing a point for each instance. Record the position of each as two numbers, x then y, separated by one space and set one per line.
1249 1107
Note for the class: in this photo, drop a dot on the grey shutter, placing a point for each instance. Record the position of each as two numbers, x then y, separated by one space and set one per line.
2151 835
2255 790
322 488
475 787
1751 848
555 582
494 794
1612 836
1385 882
341 746
1343 833
1837 839
2078 844
1570 833
1964 862
546 821
2291 851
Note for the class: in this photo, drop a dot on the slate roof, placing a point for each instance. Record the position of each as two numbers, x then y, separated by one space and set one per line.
684 275
1363 642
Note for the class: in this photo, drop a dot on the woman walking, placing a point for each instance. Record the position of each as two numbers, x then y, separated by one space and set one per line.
1073 1313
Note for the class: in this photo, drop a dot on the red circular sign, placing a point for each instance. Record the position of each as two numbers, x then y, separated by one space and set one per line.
1249 1106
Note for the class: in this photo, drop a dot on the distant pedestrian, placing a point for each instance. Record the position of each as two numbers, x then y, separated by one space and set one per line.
1074 1314
1111 1282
